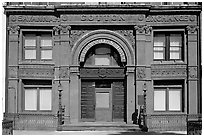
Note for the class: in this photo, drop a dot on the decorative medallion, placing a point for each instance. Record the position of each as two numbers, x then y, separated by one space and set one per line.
141 72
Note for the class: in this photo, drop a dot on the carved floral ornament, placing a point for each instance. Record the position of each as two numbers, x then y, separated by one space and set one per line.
63 28
192 28
141 72
143 29
13 29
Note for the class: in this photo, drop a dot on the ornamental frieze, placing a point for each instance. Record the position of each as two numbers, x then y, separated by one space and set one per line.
102 73
102 18
168 71
36 71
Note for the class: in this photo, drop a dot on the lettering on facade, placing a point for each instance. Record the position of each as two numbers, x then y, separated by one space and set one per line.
171 18
101 18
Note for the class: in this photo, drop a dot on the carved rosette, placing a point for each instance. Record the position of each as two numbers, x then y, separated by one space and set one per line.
64 29
141 72
192 72
75 35
128 35
13 29
36 71
13 71
64 72
192 28
168 71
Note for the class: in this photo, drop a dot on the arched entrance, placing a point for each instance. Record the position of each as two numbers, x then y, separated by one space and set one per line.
104 63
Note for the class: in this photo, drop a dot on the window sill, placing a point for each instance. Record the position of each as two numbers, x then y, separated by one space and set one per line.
169 62
36 62
37 112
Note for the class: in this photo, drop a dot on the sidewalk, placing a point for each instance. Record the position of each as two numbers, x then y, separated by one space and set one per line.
34 132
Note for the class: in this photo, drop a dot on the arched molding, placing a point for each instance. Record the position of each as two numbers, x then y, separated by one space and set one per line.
80 48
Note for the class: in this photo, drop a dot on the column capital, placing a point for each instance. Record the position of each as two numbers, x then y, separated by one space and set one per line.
143 29
192 28
64 29
13 29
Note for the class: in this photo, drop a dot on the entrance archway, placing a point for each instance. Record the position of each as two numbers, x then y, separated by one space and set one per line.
90 77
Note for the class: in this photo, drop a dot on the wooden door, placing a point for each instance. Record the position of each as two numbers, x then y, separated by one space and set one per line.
118 101
87 101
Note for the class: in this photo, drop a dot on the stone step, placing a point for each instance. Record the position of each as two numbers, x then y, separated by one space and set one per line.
102 126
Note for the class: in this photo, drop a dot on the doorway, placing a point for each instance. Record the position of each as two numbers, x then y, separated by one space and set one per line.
102 100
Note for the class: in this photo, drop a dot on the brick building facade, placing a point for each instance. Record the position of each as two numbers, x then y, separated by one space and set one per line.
103 56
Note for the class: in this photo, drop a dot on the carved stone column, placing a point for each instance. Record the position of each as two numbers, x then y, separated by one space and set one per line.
12 87
192 50
74 94
130 93
65 49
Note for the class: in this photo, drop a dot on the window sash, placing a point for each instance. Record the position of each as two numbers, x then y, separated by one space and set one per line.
43 46
168 99
31 99
172 46
159 100
174 98
41 98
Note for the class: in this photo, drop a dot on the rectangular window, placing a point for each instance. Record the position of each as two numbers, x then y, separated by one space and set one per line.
168 95
37 95
168 46
37 45
159 100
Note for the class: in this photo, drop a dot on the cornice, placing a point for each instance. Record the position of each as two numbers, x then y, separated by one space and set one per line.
102 8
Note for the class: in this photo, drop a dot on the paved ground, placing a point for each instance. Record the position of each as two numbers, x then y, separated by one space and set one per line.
26 132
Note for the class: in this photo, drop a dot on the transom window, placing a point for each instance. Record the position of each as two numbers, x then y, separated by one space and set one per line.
168 95
168 46
102 55
37 45
37 95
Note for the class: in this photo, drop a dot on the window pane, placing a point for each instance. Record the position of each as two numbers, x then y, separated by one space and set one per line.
174 48
30 42
46 54
30 54
174 55
175 100
46 42
102 61
159 40
45 99
158 55
158 49
102 100
175 39
30 99
159 100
